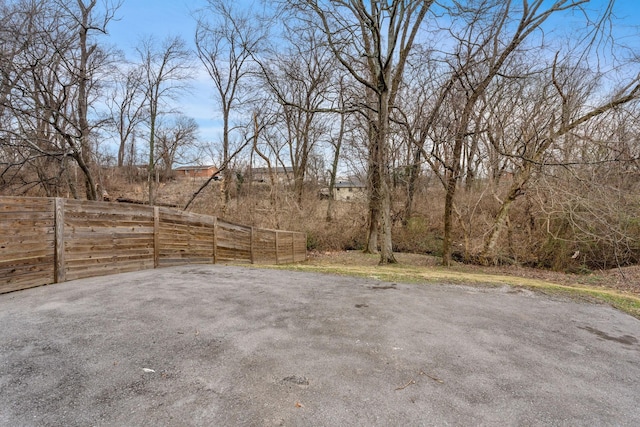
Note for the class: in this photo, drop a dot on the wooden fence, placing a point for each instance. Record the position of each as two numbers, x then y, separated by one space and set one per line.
52 240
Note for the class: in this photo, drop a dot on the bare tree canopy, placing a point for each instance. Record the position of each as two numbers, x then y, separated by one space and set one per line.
51 77
485 131
372 42
166 68
226 41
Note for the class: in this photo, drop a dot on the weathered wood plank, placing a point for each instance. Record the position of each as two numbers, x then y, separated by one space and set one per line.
42 268
41 277
188 221
118 243
226 253
24 283
25 206
226 226
25 271
17 249
227 250
35 255
88 259
45 235
165 252
166 235
49 240
105 269
107 221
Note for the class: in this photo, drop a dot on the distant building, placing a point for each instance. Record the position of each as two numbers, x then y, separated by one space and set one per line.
206 171
262 174
350 190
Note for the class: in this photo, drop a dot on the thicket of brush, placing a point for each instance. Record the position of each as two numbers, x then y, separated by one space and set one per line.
556 224
564 222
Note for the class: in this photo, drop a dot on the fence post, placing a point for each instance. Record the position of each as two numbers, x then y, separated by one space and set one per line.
59 272
215 239
293 247
277 261
156 236
304 237
251 247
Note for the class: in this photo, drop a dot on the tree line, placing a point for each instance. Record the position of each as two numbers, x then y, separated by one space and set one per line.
521 116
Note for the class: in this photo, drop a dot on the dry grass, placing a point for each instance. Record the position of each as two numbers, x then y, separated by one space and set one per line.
624 280
608 287
252 205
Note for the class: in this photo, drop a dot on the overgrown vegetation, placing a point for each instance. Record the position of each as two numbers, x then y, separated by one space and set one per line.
539 235
483 130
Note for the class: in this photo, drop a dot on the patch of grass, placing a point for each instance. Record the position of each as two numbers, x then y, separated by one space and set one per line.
367 268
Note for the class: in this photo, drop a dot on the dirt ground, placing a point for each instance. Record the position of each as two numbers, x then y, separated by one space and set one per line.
215 345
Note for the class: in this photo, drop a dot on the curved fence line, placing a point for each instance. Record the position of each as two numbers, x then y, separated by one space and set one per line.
52 240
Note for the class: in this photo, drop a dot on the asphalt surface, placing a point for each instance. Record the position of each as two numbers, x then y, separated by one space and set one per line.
212 345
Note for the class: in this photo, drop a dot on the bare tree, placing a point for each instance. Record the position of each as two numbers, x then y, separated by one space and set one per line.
226 40
300 80
166 69
55 79
175 140
372 42
127 107
418 113
564 120
337 141
486 41
250 137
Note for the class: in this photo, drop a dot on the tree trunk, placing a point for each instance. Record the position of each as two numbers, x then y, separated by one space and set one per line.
334 168
384 196
151 167
386 246
414 171
121 151
373 183
273 194
83 122
298 177
452 183
227 178
488 254
372 233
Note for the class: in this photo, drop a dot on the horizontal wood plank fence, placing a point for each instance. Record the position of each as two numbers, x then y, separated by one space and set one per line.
52 240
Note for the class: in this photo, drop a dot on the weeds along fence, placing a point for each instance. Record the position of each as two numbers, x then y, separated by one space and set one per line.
52 240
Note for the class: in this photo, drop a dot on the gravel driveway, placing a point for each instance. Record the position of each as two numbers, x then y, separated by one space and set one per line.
214 345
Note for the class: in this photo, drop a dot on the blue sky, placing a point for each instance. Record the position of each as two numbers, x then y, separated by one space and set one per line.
162 18
159 17
137 19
